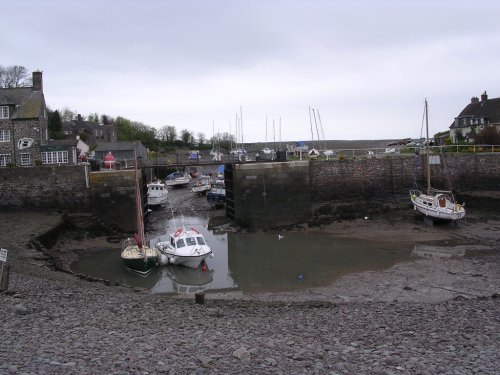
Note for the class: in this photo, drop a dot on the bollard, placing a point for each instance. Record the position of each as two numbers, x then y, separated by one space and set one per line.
199 298
4 282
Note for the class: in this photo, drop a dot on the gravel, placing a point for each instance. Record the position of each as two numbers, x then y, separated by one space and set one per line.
55 323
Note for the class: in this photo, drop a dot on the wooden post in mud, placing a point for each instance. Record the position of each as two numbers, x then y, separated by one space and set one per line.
199 298
4 278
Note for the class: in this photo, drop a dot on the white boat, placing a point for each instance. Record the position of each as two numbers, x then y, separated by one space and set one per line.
157 193
216 196
436 204
186 247
178 179
201 185
136 256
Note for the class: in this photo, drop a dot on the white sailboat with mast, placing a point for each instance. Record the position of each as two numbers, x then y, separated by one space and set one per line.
433 203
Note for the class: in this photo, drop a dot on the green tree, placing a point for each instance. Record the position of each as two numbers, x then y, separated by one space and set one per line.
186 136
55 125
171 134
201 138
488 136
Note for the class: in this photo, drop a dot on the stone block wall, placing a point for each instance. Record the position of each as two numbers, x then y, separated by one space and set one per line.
47 187
113 198
269 194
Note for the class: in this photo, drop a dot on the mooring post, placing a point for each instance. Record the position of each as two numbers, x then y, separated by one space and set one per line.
4 280
199 298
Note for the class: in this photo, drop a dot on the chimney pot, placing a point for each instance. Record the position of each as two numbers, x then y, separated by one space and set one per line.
474 100
484 97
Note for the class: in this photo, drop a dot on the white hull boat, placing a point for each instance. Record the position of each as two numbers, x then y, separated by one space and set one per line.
202 185
435 204
178 179
187 247
439 205
157 193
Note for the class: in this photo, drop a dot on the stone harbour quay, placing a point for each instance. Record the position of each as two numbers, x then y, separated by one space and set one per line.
426 317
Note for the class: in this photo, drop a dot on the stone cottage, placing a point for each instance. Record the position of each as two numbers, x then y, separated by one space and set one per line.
23 124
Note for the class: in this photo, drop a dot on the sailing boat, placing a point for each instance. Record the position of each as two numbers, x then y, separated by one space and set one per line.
436 204
136 256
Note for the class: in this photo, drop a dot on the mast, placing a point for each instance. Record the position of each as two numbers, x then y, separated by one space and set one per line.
427 148
138 203
310 122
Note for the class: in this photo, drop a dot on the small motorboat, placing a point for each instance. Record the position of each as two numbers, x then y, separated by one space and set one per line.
186 247
201 185
178 179
157 193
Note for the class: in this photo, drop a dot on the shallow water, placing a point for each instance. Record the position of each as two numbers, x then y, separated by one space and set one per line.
250 262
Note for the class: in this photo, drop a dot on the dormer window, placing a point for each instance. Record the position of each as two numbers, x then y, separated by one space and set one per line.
4 112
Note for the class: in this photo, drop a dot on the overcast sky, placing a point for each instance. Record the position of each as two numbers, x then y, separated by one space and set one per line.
366 66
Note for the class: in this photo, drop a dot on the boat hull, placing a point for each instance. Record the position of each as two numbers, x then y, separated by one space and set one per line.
187 261
139 261
157 201
429 206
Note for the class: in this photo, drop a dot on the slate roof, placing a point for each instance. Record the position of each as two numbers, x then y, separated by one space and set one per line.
30 102
489 108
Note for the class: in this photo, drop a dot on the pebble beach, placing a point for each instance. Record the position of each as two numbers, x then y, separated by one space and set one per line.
430 318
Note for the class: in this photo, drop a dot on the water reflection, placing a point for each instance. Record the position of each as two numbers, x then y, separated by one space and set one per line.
433 251
184 280
264 262
250 262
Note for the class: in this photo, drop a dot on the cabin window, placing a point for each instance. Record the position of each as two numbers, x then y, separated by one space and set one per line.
190 241
180 243
5 159
25 158
4 112
200 240
4 135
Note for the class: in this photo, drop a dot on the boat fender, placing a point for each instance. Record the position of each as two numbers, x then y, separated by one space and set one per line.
194 230
179 231
163 260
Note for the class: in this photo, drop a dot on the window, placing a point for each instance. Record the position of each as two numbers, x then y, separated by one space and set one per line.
5 159
200 241
4 112
190 241
4 135
25 158
55 157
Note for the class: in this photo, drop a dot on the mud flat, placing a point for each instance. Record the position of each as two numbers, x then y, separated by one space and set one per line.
432 315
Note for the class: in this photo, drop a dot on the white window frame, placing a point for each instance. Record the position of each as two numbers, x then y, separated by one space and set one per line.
4 112
4 135
55 157
5 159
25 158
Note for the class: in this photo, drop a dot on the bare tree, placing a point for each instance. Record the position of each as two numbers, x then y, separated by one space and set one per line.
171 133
201 138
67 114
14 76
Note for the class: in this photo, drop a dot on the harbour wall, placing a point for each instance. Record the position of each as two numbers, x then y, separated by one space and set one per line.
47 187
266 195
260 195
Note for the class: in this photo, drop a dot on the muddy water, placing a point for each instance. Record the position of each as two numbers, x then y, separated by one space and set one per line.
250 262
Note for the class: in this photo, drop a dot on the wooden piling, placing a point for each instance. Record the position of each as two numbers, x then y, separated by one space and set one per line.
4 281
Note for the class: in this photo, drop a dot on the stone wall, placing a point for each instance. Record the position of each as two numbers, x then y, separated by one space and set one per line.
47 187
113 198
268 194
275 194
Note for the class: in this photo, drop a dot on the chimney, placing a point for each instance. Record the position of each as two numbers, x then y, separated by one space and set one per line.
474 100
79 118
484 97
37 81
